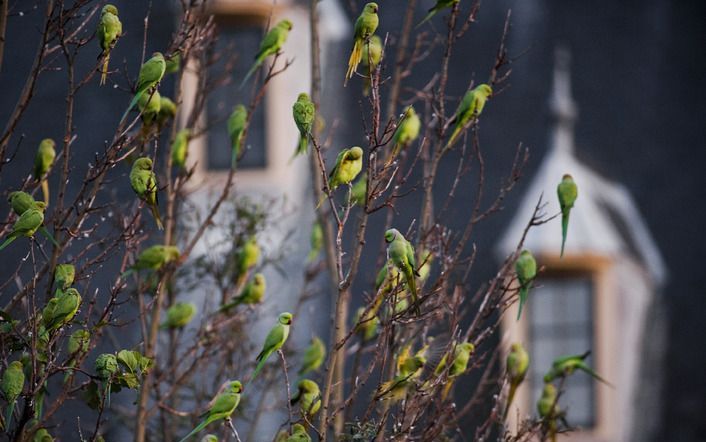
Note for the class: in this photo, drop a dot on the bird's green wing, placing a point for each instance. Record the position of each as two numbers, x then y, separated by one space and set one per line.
273 341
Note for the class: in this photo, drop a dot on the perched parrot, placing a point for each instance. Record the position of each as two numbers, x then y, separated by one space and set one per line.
154 258
246 258
440 4
348 165
270 45
151 74
144 183
316 241
252 293
365 27
106 365
407 131
149 106
180 148
43 435
23 201
385 282
526 270
109 30
372 54
567 193
425 267
64 275
26 225
401 253
172 62
77 344
470 108
179 315
359 189
367 327
13 381
461 356
299 434
566 365
167 110
314 356
409 368
42 163
236 129
274 341
549 409
517 363
309 396
304 113
61 309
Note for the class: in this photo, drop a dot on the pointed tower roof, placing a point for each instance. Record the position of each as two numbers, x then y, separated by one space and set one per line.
605 220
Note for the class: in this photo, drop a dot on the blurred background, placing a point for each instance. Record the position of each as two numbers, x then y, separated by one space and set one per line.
611 92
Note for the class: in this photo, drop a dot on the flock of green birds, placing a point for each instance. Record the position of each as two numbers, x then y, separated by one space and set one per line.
400 270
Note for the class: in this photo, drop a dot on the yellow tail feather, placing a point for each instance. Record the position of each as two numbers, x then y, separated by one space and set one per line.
45 191
157 218
104 71
354 60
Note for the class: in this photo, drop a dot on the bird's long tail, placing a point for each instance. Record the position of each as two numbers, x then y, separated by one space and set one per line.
258 62
7 241
303 144
510 397
157 219
454 135
235 151
393 154
447 389
261 363
590 371
8 417
564 229
49 236
198 428
354 60
45 190
523 297
104 71
432 12
132 104
321 201
412 285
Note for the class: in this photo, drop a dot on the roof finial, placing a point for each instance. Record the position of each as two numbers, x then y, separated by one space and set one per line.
561 103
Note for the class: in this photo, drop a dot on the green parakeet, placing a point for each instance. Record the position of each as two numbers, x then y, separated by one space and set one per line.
274 341
26 225
526 270
64 275
401 253
440 4
109 30
390 282
252 293
154 258
566 365
309 397
407 131
299 434
365 27
372 54
349 163
567 193
180 148
359 189
270 45
425 268
151 74
470 108
314 356
172 62
167 110
179 315
42 164
149 105
61 309
409 368
316 241
77 343
368 327
220 408
246 259
106 365
516 363
42 435
23 201
546 405
13 381
304 113
236 129
144 183
461 355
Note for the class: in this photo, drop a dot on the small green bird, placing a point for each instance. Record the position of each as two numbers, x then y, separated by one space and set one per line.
304 113
309 397
26 225
566 365
425 268
314 356
109 30
64 275
274 341
469 109
151 74
77 344
179 315
236 130
42 164
106 365
372 54
516 363
365 27
180 148
390 282
154 258
440 4
144 183
526 270
407 131
252 293
13 381
316 241
349 163
221 407
42 435
567 193
270 45
366 327
149 106
359 189
23 201
461 355
167 110
61 309
246 258
299 434
172 62
409 368
549 410
401 253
